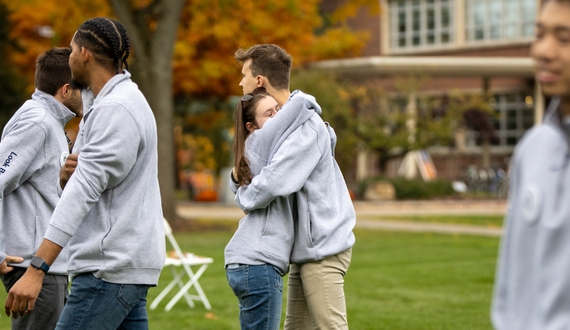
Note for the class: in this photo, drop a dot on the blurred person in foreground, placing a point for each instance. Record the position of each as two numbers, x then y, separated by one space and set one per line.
532 283
109 213
32 150
302 166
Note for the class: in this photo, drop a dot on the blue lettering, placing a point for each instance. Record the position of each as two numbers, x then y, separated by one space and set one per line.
7 161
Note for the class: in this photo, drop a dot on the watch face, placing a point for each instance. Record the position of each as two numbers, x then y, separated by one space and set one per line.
39 263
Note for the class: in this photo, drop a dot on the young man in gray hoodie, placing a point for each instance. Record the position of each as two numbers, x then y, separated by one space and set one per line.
304 165
532 283
32 150
109 213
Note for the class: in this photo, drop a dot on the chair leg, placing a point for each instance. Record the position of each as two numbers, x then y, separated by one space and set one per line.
193 281
181 286
163 293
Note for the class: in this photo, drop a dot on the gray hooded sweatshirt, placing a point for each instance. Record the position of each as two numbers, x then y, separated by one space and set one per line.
32 151
110 210
303 164
532 285
266 236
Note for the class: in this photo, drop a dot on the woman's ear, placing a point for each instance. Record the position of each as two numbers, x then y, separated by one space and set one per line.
250 127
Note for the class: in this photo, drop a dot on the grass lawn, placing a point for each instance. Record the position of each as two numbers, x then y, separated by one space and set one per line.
396 281
479 220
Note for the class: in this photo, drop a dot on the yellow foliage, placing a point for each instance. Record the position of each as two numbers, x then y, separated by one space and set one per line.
200 153
209 34
30 18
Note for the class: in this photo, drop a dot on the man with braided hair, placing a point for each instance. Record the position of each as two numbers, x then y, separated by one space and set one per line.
109 214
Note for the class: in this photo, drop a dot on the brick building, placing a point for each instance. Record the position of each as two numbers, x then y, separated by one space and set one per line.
477 46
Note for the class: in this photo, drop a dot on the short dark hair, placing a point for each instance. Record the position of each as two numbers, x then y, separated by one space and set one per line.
52 70
270 61
107 39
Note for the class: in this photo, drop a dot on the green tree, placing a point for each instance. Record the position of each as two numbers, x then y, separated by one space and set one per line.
186 48
366 117
12 87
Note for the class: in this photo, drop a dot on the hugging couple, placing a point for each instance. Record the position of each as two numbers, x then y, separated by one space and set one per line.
299 215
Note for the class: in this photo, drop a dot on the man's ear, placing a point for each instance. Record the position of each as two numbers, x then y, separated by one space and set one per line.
65 90
260 81
85 55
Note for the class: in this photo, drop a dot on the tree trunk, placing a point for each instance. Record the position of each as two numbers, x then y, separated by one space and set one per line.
154 51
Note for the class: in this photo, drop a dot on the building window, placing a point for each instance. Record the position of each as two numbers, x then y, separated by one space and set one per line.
421 24
515 115
499 19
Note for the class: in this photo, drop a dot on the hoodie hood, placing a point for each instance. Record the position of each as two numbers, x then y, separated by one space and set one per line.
59 111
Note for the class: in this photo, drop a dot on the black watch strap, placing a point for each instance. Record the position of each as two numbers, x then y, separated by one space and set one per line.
39 263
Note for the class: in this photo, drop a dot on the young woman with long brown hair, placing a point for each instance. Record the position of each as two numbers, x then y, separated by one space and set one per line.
258 254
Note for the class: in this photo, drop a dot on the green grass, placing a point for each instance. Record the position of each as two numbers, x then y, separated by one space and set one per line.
479 220
396 281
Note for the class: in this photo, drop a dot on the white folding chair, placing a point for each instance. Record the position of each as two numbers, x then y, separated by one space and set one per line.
186 261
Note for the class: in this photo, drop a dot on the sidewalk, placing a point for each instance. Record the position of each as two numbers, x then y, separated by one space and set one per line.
367 211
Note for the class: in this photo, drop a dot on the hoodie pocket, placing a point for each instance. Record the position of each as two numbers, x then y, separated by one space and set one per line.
310 230
277 236
108 231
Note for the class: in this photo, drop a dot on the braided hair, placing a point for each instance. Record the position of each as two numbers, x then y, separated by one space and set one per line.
107 39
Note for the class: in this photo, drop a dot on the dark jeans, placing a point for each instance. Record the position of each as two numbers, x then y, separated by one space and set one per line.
259 289
49 305
98 305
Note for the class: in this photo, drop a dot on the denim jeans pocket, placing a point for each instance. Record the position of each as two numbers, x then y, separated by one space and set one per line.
238 280
278 279
130 294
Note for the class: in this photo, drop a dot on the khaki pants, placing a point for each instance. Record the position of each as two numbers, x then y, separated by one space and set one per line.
315 294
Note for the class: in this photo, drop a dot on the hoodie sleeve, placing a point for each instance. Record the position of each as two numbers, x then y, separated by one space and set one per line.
17 150
286 173
298 109
233 184
110 151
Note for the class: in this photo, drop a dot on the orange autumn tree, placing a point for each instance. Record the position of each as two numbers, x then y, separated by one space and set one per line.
186 51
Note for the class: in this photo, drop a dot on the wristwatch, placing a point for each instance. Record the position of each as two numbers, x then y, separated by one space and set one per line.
39 263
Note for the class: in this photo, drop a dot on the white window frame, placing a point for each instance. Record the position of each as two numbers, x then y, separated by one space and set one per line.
520 105
409 34
470 27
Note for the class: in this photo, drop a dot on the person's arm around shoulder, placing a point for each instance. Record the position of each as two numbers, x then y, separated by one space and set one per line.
286 173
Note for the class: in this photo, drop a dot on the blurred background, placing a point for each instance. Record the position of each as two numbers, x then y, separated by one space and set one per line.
435 90
428 99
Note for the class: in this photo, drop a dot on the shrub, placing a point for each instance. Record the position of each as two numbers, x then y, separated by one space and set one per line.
413 189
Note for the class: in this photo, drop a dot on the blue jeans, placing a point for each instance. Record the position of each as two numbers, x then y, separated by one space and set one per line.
98 305
259 289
